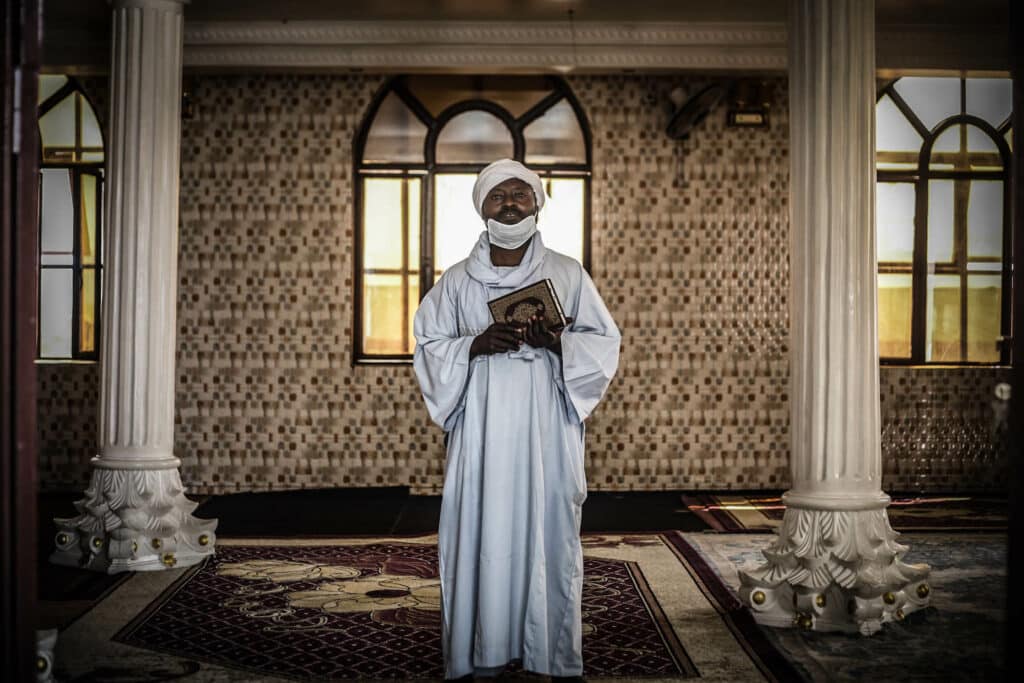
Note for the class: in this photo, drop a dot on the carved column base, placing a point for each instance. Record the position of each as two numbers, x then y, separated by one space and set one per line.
835 570
134 520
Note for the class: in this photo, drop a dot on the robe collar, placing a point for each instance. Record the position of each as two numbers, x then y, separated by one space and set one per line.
480 268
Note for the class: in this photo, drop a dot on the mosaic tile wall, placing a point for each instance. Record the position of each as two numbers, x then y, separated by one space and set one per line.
689 250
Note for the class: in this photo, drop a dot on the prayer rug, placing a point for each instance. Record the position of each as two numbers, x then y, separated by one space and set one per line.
368 608
959 638
750 513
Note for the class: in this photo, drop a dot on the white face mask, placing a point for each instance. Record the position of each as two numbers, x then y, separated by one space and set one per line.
511 236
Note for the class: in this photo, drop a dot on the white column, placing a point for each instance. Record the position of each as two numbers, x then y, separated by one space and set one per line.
135 515
836 564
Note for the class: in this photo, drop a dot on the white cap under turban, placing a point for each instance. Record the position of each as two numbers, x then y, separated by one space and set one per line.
499 172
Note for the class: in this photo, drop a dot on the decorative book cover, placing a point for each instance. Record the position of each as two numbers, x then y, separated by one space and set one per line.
536 299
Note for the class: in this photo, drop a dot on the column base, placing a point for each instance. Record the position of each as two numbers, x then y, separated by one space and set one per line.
134 520
835 570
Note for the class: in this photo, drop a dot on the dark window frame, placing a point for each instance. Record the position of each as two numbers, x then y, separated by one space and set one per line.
918 268
76 170
430 169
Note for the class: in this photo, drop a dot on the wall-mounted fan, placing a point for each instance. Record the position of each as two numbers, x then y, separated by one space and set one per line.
690 112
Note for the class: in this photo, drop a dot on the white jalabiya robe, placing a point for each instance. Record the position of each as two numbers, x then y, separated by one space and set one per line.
511 562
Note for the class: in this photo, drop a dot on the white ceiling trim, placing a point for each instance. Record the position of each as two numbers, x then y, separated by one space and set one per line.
520 46
587 47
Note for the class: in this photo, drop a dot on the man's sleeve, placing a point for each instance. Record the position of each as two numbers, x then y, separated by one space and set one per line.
590 351
441 359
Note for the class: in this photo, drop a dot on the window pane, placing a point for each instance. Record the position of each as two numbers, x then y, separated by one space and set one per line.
1009 138
932 99
893 132
984 152
940 221
56 217
457 226
948 141
990 99
895 307
382 223
87 233
413 284
90 126
49 84
515 93
87 308
985 219
895 220
556 137
943 325
474 137
57 127
396 135
55 312
561 219
984 294
386 312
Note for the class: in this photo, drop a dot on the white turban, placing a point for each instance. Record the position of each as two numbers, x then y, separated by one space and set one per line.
499 172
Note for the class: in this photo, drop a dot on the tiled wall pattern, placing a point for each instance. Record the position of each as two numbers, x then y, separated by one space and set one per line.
689 250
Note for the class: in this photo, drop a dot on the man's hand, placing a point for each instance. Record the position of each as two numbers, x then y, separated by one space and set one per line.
498 338
539 336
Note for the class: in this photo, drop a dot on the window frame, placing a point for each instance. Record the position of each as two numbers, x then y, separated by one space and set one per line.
76 170
918 269
429 169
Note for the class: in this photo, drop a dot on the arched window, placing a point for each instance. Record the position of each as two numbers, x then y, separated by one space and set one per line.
417 154
70 191
943 160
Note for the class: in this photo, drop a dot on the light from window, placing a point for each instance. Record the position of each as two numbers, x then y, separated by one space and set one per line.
942 152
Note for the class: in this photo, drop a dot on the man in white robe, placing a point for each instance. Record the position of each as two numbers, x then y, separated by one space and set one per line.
512 401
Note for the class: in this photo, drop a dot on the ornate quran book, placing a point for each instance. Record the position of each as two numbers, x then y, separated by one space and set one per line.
537 299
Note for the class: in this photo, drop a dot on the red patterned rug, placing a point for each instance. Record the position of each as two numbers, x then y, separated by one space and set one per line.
747 513
345 609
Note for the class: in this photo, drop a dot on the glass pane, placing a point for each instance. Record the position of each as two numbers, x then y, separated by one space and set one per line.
57 127
979 141
92 156
985 219
382 223
895 309
1009 138
984 301
457 226
940 221
561 220
893 132
948 141
49 84
55 312
515 93
396 135
56 217
387 307
556 137
412 222
87 307
990 99
87 211
931 99
895 220
943 326
90 126
474 137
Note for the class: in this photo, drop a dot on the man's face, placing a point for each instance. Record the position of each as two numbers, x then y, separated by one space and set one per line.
509 202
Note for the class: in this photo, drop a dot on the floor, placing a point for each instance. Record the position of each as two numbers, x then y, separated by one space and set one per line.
65 593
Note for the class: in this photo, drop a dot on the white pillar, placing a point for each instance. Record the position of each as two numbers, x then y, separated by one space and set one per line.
135 515
836 564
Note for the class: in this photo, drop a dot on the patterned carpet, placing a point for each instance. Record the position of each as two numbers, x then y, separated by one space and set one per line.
368 609
959 638
742 513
